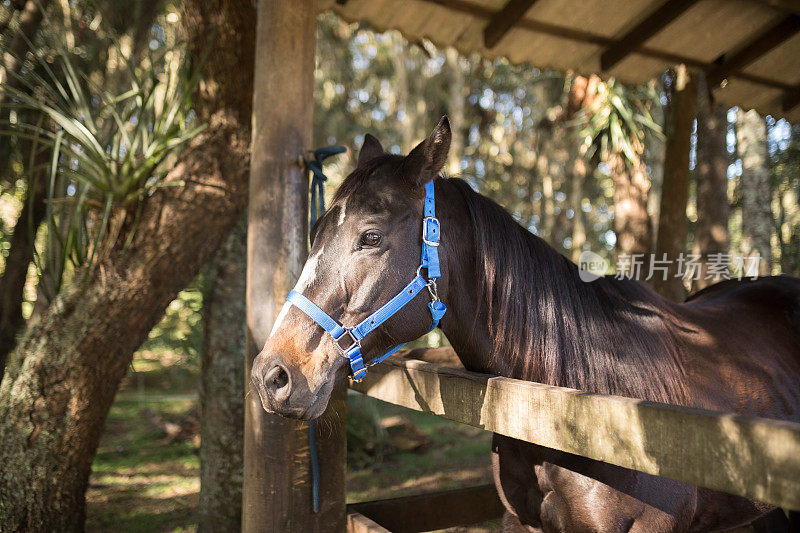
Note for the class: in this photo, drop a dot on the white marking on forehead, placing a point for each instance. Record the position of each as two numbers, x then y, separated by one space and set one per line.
281 317
342 213
306 277
309 272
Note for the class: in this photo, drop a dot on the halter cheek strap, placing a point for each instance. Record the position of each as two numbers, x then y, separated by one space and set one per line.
348 340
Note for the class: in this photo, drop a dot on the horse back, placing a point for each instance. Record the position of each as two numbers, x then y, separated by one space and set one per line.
745 333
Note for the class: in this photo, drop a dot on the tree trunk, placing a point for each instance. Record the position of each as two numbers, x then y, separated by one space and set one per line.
29 22
756 193
672 222
578 176
631 221
405 111
713 209
10 66
222 387
582 93
55 397
20 255
547 225
456 111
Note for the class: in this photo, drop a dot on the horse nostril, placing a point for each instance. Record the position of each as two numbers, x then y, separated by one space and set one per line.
278 382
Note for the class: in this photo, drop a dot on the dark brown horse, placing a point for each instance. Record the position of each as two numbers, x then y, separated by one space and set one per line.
517 308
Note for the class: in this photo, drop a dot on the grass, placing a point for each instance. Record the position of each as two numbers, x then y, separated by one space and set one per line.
457 456
140 483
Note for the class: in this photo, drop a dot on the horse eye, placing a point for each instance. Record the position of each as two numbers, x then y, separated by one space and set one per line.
370 238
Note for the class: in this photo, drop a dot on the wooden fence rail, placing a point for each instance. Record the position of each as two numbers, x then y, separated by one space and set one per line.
747 456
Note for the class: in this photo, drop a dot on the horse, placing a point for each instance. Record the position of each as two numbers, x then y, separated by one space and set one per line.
518 308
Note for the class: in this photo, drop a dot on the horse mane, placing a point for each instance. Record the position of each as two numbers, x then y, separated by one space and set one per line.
609 336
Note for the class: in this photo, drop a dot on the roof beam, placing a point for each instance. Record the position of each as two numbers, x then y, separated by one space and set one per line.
502 21
787 6
763 43
655 22
480 11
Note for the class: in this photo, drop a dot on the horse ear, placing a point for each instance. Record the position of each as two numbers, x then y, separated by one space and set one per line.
370 149
428 158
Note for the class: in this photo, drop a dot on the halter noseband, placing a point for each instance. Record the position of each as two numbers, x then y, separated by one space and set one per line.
348 340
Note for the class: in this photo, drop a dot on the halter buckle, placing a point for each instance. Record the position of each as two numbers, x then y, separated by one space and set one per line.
431 228
352 341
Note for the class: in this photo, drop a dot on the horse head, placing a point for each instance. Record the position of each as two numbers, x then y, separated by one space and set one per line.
364 252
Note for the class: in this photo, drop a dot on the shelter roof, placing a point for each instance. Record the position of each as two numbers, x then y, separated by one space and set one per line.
750 49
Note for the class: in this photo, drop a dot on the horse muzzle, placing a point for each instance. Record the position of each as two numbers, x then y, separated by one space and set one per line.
285 390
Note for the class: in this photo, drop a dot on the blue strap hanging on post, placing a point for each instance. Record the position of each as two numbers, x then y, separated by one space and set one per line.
317 209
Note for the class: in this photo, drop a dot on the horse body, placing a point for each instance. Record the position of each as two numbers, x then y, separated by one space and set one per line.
517 308
734 347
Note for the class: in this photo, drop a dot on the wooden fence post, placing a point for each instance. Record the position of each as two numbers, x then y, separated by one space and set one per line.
277 481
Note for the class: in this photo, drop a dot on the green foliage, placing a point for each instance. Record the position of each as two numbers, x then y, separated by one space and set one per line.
11 199
181 328
108 147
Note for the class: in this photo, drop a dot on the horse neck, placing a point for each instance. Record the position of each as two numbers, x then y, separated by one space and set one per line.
522 311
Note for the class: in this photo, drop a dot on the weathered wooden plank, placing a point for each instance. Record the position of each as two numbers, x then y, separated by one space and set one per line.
748 456
358 523
431 511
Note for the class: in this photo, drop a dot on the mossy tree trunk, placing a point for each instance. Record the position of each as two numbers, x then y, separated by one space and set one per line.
222 387
582 93
673 225
756 193
57 392
456 110
631 221
713 209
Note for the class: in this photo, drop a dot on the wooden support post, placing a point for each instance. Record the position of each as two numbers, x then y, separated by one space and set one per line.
672 222
277 482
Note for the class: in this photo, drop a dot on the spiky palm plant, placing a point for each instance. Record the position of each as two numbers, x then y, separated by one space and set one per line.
618 119
108 149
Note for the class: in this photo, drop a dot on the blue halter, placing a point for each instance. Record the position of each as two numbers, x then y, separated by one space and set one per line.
348 340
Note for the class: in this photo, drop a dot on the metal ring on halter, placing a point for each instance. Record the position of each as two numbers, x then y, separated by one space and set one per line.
433 290
353 342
